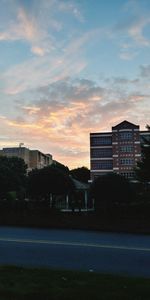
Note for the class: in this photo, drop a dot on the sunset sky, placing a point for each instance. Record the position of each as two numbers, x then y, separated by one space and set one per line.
71 67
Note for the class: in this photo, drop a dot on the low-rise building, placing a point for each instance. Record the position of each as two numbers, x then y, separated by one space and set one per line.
33 158
39 160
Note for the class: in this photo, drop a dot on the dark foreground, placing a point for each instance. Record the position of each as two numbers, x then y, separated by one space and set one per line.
21 283
129 223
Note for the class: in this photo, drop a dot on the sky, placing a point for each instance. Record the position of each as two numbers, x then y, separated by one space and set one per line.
71 67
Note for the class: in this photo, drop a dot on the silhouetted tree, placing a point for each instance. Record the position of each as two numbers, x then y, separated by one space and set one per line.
81 174
109 191
143 166
12 175
49 180
57 165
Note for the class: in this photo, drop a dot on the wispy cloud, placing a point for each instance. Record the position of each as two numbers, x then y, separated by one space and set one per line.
127 55
23 27
71 8
136 31
134 28
37 25
40 71
131 31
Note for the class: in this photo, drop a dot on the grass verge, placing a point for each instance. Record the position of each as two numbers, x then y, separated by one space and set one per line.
17 283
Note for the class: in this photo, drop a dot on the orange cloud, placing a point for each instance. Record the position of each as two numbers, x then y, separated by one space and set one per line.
64 113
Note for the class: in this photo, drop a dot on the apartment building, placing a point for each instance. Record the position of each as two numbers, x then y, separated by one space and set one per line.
117 151
33 158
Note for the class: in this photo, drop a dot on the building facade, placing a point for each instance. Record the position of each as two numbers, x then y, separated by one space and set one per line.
33 158
117 151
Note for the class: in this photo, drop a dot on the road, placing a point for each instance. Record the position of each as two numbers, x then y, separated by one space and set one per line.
113 253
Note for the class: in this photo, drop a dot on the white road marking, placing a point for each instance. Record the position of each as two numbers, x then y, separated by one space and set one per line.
63 243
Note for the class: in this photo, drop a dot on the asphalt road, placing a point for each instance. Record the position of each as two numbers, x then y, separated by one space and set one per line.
78 250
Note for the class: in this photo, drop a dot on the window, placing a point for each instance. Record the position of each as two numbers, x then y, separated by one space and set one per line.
126 149
100 174
126 161
11 150
103 152
126 135
98 141
102 165
128 174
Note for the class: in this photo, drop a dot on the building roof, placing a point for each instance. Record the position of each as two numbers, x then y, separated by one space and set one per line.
125 125
80 185
101 133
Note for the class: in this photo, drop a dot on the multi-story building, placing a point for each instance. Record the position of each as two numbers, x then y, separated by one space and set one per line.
117 151
39 160
33 158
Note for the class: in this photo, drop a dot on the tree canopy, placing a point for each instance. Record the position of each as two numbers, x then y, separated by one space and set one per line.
49 180
57 165
81 174
143 166
109 190
12 174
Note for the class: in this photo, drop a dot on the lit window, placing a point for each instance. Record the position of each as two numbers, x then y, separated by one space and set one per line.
97 153
102 165
128 174
97 141
126 148
126 161
126 135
